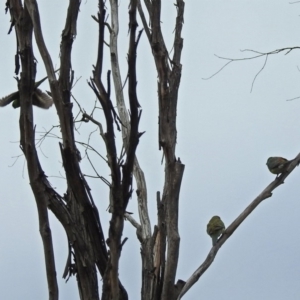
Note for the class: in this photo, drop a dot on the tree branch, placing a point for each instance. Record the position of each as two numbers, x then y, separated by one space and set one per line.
259 54
266 193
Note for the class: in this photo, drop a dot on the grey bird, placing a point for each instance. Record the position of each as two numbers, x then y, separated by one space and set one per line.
39 98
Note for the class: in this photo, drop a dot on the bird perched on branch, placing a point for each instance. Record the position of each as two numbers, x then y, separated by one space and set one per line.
39 98
215 228
277 165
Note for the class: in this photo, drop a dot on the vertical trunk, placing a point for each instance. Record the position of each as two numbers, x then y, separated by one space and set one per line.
168 83
27 139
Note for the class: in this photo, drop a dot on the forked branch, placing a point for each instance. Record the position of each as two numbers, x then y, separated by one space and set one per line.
258 55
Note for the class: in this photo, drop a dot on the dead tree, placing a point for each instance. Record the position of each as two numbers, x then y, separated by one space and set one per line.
91 252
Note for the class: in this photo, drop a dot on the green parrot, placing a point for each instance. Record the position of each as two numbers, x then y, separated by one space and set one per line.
215 228
277 165
39 98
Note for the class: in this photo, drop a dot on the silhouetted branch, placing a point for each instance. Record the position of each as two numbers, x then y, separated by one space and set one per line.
260 54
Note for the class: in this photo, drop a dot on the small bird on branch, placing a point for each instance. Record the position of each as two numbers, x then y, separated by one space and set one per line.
215 228
39 98
277 165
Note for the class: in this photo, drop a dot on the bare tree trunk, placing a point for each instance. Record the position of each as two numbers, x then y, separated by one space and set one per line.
169 74
38 181
144 228
121 174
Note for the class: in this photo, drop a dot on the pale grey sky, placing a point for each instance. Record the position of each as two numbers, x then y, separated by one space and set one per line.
225 135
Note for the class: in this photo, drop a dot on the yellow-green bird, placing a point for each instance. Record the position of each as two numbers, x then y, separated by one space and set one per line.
39 98
277 165
215 228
